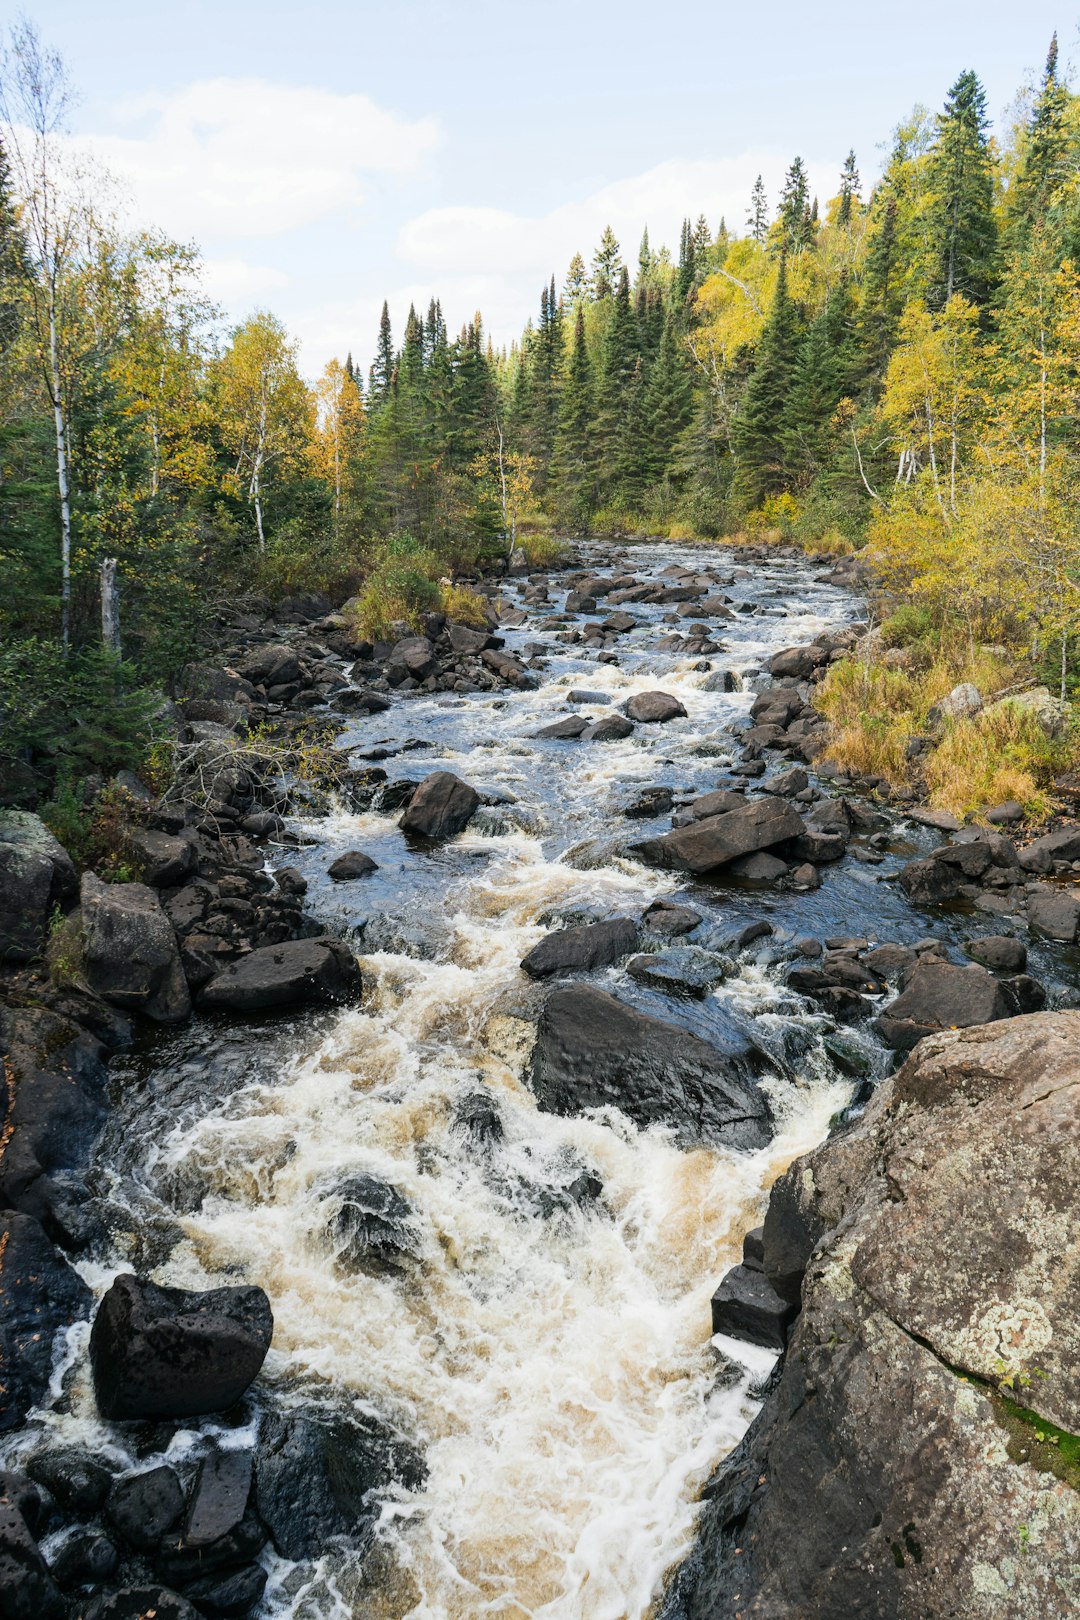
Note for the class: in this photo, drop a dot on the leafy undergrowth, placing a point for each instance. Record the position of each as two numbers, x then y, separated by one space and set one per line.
876 711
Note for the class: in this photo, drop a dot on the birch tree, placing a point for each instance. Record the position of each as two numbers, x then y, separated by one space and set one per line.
266 410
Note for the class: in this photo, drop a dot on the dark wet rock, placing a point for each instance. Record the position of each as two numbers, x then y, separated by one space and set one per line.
478 1117
930 882
41 1294
36 875
666 918
273 665
797 661
360 700
593 1051
464 639
163 860
759 868
716 804
720 680
319 1477
655 801
27 1589
74 1477
999 952
750 935
231 1594
129 951
137 1603
508 669
218 1497
610 728
580 950
1029 995
290 880
746 1306
787 783
572 726
581 695
1055 914
87 1558
298 972
143 1507
370 1224
720 839
354 864
654 708
441 807
180 1563
413 657
873 1481
753 1249
170 1353
1063 845
938 996
686 971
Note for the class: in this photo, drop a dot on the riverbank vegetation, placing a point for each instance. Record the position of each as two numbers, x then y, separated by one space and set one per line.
890 369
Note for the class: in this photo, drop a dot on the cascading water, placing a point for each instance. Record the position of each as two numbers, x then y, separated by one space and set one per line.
536 1323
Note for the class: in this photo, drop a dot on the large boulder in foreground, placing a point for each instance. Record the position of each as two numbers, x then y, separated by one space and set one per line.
915 1459
442 806
36 874
41 1294
169 1353
593 1051
299 972
940 995
575 950
130 954
719 839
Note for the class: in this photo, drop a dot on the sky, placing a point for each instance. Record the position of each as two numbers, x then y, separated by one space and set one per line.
329 154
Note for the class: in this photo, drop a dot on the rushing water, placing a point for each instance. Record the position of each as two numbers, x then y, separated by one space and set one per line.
551 1362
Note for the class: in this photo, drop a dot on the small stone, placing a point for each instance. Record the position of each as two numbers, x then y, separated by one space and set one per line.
354 864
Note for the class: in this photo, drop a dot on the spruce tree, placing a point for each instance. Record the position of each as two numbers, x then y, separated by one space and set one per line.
607 263
849 190
1046 150
757 220
574 455
620 354
14 264
759 427
668 405
881 297
811 401
962 182
793 219
629 459
576 285
382 370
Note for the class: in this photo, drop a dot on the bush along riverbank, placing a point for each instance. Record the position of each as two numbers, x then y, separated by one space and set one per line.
915 1298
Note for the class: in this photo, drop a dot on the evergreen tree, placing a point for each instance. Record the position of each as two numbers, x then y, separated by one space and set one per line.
849 190
962 182
630 449
684 277
757 219
573 459
811 401
759 426
576 285
620 355
607 263
1046 151
644 260
668 405
793 220
14 264
382 371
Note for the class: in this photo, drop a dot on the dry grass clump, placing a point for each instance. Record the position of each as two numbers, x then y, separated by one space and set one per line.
464 606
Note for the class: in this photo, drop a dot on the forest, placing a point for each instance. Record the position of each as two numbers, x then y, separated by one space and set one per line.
890 369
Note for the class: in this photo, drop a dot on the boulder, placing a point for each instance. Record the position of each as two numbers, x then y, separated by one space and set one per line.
27 1589
667 918
218 1498
905 1465
654 801
138 1603
747 1306
653 707
310 972
441 807
36 875
354 864
940 995
572 726
360 700
1049 713
962 703
273 665
719 839
716 804
170 1353
142 1507
685 971
1062 845
414 656
130 955
75 1478
41 1295
464 639
929 882
580 950
999 952
1055 914
163 859
369 1224
610 728
321 1476
508 669
797 662
593 1051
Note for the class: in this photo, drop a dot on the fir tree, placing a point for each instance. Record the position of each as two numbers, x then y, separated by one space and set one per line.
1045 163
382 370
644 260
620 354
573 460
630 449
759 427
962 182
757 219
849 190
607 263
668 405
793 219
815 389
881 301
14 264
576 285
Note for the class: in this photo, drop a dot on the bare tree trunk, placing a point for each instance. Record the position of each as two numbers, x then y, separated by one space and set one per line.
502 482
60 431
110 607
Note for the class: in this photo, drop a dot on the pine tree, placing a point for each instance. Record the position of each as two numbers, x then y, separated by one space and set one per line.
849 190
757 219
573 459
811 401
644 260
684 277
793 219
607 263
962 182
576 285
759 426
668 405
382 370
629 458
620 354
1045 163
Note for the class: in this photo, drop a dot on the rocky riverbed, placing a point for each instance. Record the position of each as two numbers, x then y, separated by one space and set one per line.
404 1135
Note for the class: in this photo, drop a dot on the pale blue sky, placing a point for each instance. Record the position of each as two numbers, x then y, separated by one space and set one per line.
328 154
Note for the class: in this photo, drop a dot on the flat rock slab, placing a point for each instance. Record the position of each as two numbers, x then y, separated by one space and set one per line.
593 1051
575 950
719 839
318 972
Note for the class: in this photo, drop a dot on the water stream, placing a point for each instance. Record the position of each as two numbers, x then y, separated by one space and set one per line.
548 1356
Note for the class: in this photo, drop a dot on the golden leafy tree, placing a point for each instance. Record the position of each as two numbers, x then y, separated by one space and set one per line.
266 412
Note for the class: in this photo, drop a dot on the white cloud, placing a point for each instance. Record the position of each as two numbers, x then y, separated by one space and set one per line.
233 281
247 158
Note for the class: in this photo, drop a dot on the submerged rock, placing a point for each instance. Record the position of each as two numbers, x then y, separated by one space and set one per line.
572 950
593 1051
685 971
170 1353
370 1224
